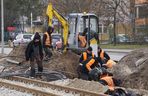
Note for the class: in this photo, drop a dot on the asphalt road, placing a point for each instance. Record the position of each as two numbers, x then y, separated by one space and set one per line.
115 54
6 50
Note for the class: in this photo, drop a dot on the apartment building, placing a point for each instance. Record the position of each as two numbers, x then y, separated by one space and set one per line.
141 17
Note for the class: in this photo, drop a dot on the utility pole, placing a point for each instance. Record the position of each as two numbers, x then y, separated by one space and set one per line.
2 27
31 21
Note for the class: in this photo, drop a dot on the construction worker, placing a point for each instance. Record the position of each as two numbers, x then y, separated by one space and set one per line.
82 38
85 55
47 43
87 67
107 79
34 53
103 57
87 62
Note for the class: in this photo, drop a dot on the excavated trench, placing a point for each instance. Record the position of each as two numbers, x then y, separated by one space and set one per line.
132 69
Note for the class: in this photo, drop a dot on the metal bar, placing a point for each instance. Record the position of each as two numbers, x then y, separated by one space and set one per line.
2 27
21 88
53 86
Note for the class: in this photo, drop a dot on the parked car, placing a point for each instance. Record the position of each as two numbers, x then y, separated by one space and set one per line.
122 38
56 40
22 39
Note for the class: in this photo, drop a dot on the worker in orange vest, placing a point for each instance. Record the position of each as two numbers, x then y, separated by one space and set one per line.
82 38
84 57
107 79
47 42
87 67
103 57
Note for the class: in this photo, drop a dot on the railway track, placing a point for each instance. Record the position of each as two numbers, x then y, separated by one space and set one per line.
41 88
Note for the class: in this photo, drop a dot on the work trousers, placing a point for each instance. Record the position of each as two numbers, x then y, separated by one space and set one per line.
48 52
32 65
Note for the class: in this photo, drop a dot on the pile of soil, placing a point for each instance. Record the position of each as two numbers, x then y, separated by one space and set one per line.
87 85
65 63
82 84
18 53
132 69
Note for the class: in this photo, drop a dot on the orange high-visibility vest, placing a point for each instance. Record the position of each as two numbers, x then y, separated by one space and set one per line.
102 55
85 56
110 63
109 81
82 41
47 42
88 65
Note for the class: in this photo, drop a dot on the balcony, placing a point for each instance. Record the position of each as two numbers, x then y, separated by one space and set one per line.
143 21
141 1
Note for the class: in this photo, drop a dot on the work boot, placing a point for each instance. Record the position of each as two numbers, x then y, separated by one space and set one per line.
40 69
32 72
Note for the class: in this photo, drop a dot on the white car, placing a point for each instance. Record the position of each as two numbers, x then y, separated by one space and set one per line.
22 39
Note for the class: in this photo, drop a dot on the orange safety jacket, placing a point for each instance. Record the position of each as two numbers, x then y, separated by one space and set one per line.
109 81
85 56
110 63
102 55
47 42
89 64
82 41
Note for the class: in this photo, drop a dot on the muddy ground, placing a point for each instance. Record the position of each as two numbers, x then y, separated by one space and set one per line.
131 69
65 63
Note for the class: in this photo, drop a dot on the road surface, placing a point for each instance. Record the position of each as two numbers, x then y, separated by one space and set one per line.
6 50
115 54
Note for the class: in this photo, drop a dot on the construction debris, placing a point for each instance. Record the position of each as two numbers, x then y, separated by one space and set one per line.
132 69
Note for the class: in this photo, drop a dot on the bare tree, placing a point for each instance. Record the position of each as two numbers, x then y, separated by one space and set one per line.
69 6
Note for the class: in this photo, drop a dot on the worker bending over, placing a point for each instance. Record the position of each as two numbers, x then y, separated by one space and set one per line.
108 80
103 57
85 55
87 62
47 43
87 67
33 53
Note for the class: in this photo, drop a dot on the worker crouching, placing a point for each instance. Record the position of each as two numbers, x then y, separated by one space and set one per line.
34 53
107 79
88 61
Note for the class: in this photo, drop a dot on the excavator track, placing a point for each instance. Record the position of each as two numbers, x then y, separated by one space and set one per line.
41 88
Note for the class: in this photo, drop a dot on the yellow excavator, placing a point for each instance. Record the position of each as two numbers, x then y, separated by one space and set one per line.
74 27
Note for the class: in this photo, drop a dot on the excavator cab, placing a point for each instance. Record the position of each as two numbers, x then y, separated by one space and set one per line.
83 28
79 31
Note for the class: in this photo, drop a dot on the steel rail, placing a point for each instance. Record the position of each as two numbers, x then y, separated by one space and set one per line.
21 88
66 89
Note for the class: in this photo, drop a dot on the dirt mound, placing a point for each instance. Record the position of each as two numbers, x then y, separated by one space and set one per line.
82 84
132 69
87 85
18 54
65 63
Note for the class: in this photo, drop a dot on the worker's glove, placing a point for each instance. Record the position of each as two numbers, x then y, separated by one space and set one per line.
80 64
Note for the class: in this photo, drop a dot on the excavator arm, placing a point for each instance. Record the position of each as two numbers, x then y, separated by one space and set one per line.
52 12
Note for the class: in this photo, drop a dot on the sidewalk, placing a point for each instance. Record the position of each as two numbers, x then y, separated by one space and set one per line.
7 50
118 50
